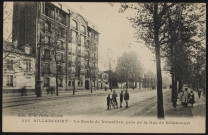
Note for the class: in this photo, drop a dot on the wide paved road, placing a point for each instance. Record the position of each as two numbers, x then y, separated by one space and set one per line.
141 103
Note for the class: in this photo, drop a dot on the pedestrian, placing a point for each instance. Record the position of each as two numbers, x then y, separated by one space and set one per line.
126 98
121 99
199 93
114 96
191 98
175 101
108 102
105 88
184 98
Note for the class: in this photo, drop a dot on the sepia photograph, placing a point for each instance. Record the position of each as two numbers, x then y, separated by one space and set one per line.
104 67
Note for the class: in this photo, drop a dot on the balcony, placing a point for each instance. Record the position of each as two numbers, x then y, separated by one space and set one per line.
46 71
45 57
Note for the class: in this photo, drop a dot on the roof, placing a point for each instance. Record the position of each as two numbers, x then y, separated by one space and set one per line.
9 47
67 9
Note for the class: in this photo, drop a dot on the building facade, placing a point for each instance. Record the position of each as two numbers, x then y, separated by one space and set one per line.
66 41
18 68
103 80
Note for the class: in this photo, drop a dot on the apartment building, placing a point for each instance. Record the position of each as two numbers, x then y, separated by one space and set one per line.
66 41
18 68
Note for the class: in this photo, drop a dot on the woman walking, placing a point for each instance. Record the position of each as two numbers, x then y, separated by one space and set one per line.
191 98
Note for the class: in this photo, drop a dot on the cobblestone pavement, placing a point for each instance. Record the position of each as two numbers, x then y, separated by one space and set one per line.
142 103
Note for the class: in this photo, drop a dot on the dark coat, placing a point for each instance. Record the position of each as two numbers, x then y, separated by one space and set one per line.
191 98
126 96
121 96
108 100
114 95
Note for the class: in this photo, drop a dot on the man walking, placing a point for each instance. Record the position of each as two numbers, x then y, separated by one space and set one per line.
199 93
114 96
108 102
121 99
126 98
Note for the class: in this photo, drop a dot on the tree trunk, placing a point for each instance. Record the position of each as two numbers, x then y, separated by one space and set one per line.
57 85
173 86
180 85
160 109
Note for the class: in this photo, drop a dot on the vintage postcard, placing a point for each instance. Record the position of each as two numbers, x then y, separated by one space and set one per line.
104 67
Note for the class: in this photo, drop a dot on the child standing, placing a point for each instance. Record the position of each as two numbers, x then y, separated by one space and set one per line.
108 102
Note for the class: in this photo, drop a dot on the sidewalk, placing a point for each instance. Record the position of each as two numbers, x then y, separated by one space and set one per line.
199 108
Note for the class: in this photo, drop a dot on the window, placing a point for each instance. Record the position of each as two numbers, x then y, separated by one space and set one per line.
10 64
59 68
48 26
69 83
60 45
46 68
46 82
62 32
78 71
9 80
62 18
82 39
27 50
82 29
47 53
96 36
74 34
89 34
73 83
47 39
74 24
81 83
60 82
49 12
28 66
78 83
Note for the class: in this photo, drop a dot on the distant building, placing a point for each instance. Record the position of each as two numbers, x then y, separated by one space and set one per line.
103 80
18 68
68 43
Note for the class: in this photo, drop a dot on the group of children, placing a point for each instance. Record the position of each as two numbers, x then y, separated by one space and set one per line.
112 101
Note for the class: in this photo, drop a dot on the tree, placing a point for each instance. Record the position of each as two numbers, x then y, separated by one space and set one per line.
184 27
128 69
149 22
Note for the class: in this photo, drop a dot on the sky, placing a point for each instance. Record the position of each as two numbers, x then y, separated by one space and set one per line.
116 33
